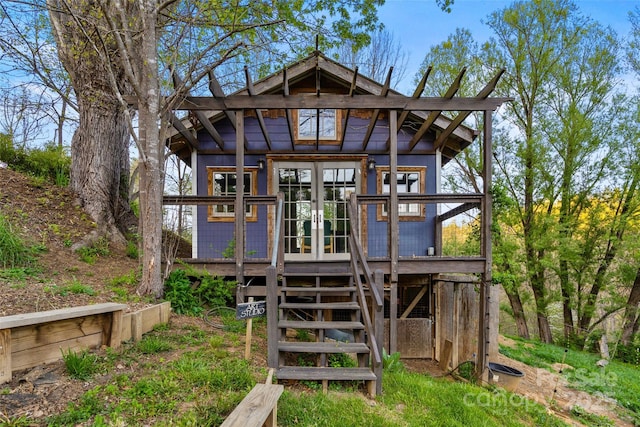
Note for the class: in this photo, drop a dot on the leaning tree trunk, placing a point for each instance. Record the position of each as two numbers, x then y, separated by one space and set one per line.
518 312
630 325
100 145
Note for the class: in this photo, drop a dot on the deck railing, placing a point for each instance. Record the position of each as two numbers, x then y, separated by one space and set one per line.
440 225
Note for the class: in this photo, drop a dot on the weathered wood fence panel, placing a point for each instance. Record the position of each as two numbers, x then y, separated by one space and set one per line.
458 305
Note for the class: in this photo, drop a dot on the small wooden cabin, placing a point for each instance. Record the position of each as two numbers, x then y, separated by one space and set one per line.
338 218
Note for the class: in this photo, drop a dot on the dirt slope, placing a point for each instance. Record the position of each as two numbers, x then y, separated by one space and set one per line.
47 216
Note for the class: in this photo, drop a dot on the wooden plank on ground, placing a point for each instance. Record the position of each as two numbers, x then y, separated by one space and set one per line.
256 408
446 355
5 355
52 352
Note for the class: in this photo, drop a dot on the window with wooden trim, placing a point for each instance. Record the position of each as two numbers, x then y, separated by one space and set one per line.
409 180
323 124
222 182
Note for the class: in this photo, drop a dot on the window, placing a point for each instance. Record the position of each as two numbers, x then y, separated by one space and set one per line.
223 182
324 122
410 180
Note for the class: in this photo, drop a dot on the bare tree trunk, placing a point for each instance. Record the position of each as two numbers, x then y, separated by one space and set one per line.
151 157
630 325
100 145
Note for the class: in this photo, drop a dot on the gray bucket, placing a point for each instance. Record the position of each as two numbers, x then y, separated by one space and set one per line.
505 376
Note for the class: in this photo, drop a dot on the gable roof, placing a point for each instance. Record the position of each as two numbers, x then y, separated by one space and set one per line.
320 73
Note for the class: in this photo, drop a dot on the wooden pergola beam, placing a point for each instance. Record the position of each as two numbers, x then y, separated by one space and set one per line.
200 115
376 112
457 121
457 211
453 89
352 90
182 129
391 102
251 92
285 90
416 94
218 93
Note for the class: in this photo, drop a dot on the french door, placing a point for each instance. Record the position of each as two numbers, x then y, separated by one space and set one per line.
316 195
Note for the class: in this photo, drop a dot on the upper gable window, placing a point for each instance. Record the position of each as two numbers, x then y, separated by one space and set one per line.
321 125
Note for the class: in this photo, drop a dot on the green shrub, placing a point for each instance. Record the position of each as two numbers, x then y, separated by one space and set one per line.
629 353
13 251
215 291
132 250
177 289
191 291
49 163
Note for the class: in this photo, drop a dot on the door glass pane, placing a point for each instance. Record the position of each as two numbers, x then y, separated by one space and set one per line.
295 183
338 184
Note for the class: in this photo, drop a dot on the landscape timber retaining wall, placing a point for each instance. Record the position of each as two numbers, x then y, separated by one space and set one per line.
31 339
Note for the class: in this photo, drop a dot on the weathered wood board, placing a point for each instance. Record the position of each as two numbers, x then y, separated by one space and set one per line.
458 305
258 408
31 339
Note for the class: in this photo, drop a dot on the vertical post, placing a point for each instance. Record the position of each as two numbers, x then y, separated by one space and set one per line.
248 335
280 236
393 230
5 355
438 224
239 203
484 321
115 337
272 317
378 327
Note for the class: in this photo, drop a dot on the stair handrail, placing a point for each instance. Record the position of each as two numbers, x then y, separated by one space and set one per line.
359 251
358 258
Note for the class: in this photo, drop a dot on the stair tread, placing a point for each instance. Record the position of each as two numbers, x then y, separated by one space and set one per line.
321 305
309 324
311 274
311 289
323 347
322 373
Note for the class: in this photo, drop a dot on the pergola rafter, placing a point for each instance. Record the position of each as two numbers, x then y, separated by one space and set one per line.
376 112
424 113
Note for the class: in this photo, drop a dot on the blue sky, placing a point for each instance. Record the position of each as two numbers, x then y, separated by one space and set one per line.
420 24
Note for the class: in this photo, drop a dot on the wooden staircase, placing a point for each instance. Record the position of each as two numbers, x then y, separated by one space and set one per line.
324 310
322 301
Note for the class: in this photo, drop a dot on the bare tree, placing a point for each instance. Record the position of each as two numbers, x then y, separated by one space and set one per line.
375 59
31 67
111 50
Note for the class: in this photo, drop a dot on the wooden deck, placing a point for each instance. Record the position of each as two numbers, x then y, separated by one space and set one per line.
413 266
